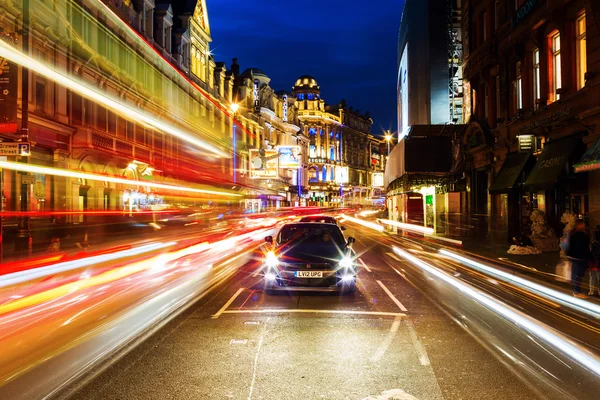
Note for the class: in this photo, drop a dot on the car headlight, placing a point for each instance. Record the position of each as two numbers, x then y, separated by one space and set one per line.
346 262
272 261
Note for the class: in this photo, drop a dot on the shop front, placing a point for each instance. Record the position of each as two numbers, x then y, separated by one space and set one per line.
511 218
552 186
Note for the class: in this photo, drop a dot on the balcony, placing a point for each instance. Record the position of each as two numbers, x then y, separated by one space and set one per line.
111 144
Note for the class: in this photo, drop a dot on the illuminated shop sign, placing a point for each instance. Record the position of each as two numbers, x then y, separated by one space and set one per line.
263 163
285 108
377 180
523 11
289 156
527 143
341 175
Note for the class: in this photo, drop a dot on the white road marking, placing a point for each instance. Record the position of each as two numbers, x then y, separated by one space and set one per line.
255 368
423 357
303 311
231 300
387 342
392 255
394 299
398 272
364 265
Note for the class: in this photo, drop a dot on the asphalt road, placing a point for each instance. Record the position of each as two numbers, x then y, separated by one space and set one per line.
386 341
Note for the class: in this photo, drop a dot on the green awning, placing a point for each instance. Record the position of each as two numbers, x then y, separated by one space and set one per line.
508 176
590 160
553 163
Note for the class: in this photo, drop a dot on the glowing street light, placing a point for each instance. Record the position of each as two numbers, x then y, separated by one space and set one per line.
388 138
234 107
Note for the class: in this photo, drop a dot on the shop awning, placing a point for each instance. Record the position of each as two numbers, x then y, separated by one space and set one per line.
590 160
553 163
508 176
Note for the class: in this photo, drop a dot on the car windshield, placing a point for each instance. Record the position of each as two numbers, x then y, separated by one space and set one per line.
312 233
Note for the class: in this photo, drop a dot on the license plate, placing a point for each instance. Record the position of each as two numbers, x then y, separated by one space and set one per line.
309 274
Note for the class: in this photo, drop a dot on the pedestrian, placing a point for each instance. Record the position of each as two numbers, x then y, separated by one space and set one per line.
595 264
578 253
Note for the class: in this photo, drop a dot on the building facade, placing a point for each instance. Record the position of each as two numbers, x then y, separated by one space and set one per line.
532 73
420 173
142 100
340 158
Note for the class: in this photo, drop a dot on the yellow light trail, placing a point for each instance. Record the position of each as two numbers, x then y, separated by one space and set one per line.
12 54
36 169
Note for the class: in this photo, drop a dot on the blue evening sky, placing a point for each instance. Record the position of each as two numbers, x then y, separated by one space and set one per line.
348 46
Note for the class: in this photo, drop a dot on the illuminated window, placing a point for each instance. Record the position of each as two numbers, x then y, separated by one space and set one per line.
301 96
311 96
324 174
580 32
519 87
312 151
536 77
556 67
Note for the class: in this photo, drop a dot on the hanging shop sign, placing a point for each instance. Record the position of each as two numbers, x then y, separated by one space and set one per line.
8 96
527 143
285 108
289 156
256 98
523 11
264 163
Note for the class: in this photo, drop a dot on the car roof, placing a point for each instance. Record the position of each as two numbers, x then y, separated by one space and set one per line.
312 224
317 218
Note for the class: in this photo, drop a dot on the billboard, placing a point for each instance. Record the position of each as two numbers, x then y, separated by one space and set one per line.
289 156
264 164
403 95
377 180
8 96
341 175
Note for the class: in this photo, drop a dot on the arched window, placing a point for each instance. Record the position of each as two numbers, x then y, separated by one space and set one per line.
332 153
312 153
312 174
324 173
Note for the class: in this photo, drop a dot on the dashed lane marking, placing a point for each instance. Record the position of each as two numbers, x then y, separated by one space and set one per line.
392 255
231 300
307 311
364 265
394 299
387 342
423 357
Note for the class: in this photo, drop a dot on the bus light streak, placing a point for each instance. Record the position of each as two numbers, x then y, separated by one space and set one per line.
101 178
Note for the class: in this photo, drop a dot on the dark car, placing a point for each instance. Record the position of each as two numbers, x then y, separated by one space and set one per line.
310 256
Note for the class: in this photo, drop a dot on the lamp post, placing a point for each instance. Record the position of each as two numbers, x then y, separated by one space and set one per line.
388 138
23 239
234 109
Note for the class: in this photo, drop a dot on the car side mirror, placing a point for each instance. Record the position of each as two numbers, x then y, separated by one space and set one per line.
269 239
343 228
351 241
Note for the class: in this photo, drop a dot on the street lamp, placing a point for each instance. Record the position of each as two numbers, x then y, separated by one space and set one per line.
388 138
234 107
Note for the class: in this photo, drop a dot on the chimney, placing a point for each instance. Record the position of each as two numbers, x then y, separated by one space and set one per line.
235 68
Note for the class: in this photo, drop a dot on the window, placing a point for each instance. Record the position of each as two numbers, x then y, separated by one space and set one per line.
101 118
496 15
536 77
556 67
311 96
580 32
76 109
519 87
484 26
497 96
301 96
112 122
486 101
313 151
40 96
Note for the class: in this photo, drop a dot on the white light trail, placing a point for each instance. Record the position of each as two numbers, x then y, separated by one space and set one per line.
554 295
11 54
362 222
536 328
36 169
408 227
